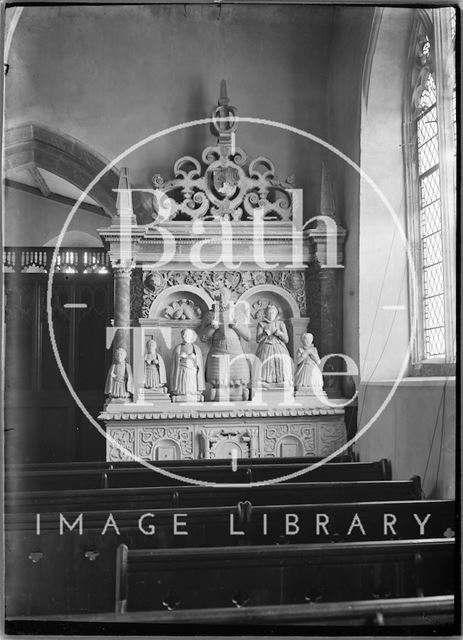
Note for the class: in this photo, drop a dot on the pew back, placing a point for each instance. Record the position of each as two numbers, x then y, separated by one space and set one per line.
148 579
38 565
422 612
218 495
132 464
127 476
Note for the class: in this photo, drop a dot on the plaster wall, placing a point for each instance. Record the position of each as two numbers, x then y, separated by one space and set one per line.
416 431
32 221
347 50
384 331
112 75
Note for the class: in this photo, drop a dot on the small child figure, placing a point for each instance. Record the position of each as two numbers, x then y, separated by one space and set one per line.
119 381
155 370
308 377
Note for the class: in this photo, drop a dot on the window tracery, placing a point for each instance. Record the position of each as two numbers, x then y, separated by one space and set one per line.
430 132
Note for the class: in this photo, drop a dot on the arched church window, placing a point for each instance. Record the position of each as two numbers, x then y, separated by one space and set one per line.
430 147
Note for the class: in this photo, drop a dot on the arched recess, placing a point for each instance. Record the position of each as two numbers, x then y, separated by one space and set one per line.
31 144
182 291
278 296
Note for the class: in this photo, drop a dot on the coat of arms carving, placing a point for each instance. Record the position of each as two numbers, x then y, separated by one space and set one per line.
225 180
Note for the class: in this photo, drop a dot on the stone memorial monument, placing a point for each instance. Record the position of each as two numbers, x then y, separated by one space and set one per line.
227 392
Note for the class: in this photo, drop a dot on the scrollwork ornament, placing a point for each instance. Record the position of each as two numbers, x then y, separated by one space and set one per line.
212 282
219 186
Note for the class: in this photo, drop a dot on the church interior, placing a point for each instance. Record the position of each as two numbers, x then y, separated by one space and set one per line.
230 318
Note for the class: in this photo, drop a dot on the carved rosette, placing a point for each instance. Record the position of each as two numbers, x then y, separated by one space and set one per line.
212 282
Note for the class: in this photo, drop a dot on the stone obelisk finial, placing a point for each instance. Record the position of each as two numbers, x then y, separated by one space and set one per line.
223 98
124 199
327 203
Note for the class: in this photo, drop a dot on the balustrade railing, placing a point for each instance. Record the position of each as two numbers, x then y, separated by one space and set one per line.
69 260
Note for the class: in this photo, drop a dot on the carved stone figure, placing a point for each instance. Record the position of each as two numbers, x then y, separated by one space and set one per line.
272 338
155 370
308 379
227 368
119 381
187 372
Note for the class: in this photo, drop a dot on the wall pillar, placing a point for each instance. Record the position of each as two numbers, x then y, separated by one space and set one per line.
331 328
327 239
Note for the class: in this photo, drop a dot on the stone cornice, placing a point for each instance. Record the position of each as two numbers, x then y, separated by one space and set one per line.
219 413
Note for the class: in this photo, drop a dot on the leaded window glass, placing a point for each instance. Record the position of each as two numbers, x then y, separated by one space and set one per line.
431 222
431 154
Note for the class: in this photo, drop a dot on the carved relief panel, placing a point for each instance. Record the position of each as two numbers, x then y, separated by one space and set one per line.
289 440
152 442
211 282
222 442
125 436
165 443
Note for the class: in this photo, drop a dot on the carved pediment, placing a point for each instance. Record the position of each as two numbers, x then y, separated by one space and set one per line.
223 186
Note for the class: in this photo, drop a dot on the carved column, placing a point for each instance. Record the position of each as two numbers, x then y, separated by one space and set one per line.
327 239
122 305
331 320
122 237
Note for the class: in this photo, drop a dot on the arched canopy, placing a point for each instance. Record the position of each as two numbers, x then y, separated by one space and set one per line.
284 299
180 291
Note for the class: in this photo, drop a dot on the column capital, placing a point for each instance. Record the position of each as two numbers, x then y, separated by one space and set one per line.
122 267
324 241
328 235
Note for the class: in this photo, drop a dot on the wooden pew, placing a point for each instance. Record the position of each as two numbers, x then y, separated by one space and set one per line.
197 496
432 611
349 522
148 579
50 479
38 566
132 464
271 524
71 573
